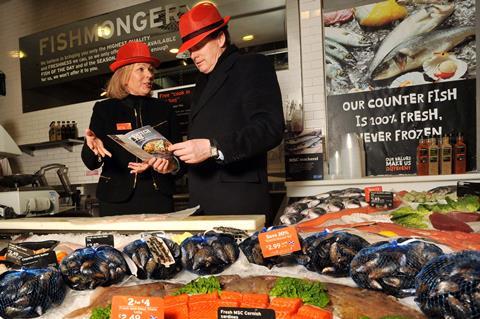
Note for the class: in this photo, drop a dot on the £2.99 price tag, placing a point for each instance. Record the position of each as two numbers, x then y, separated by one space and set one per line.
135 307
280 241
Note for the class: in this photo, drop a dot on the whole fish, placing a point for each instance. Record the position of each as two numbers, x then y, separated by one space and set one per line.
346 37
332 67
338 51
411 54
420 22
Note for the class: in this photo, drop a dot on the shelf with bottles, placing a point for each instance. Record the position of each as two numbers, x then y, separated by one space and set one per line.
67 144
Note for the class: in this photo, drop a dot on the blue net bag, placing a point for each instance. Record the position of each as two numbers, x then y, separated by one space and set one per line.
29 293
330 253
89 267
155 266
210 253
391 267
449 286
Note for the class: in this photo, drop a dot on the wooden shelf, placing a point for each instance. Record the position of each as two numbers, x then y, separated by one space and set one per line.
66 144
395 183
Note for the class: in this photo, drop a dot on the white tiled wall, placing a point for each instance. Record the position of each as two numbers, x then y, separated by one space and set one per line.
20 18
312 63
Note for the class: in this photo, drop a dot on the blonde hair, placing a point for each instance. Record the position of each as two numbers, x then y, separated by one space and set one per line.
116 86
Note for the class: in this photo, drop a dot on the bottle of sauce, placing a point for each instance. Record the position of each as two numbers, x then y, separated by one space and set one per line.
51 131
432 156
422 157
64 130
445 156
74 130
68 130
460 155
58 131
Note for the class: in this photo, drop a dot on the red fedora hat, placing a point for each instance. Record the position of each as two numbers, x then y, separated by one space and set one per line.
133 52
202 20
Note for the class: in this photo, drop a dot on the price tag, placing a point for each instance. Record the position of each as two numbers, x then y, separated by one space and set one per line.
245 313
136 307
15 253
381 199
370 189
91 241
280 241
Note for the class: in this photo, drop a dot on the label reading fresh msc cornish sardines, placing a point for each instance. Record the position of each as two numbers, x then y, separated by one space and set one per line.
245 313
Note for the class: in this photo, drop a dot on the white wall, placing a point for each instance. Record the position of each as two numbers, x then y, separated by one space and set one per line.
20 18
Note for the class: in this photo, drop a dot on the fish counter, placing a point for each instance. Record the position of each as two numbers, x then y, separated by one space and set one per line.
404 259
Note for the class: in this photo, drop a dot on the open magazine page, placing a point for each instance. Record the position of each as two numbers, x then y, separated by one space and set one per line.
144 142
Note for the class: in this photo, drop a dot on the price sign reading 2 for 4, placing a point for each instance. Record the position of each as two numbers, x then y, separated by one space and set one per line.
279 241
137 307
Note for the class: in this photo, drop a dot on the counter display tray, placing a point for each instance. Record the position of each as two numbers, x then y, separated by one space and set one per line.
131 223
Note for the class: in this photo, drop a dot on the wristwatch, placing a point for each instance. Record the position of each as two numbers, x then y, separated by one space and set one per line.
213 149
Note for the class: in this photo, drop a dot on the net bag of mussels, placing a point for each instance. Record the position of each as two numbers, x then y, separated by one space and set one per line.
156 257
209 253
251 249
449 286
330 253
89 267
392 266
29 293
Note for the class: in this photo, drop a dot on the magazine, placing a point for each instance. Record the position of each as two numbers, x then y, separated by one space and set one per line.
144 142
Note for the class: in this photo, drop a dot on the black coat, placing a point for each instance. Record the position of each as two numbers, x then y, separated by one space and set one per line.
239 105
116 184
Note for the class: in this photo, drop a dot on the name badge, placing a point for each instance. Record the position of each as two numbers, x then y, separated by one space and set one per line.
124 126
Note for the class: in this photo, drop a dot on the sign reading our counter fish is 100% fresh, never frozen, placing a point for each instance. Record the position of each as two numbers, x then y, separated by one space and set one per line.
136 307
278 242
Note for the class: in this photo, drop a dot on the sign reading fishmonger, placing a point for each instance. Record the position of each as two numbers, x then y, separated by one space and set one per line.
86 48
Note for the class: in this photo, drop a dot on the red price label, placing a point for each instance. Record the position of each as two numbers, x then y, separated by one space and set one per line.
279 242
370 189
135 307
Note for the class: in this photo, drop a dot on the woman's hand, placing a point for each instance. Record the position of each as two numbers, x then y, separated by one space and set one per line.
96 144
137 168
162 165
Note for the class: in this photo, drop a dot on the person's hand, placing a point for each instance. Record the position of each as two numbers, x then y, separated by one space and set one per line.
137 168
162 165
96 144
192 151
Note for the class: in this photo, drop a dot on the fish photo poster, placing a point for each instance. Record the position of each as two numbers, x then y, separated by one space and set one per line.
398 71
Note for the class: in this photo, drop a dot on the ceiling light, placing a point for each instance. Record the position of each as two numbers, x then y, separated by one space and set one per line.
174 50
17 54
248 37
104 32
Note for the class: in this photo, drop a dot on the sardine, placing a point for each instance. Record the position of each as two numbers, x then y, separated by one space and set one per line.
420 22
308 144
338 51
346 37
332 67
411 54
296 141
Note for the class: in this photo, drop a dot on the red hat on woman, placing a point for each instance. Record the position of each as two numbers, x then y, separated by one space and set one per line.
202 20
133 52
